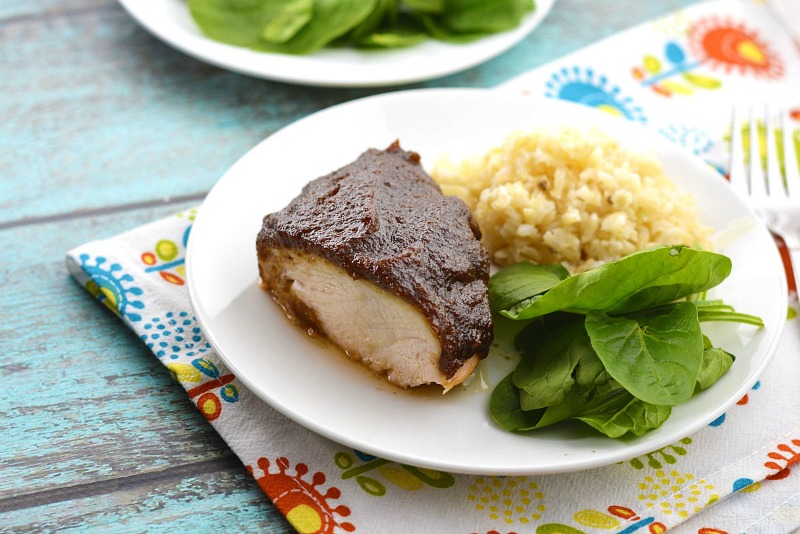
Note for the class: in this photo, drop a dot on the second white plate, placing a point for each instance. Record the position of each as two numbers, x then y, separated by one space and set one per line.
322 390
170 21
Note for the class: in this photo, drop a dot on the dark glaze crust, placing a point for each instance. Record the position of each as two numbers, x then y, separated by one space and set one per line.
384 219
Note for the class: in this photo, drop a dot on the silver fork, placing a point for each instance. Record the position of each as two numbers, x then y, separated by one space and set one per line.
773 195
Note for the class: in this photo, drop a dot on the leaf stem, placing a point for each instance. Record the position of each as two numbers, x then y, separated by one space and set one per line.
706 315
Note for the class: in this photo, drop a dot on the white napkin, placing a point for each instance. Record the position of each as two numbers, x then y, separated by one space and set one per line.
739 471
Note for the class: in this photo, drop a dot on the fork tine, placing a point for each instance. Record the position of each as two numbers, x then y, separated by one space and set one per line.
774 176
758 185
790 164
736 169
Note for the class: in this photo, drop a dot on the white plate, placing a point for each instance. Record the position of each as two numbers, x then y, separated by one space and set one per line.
170 21
322 390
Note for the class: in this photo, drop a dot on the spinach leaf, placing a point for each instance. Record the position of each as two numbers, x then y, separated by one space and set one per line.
396 39
521 281
304 26
388 28
615 347
504 407
233 22
332 19
561 373
285 18
437 29
484 16
385 10
426 6
546 371
623 413
461 21
608 408
573 404
656 356
581 399
715 363
532 332
638 281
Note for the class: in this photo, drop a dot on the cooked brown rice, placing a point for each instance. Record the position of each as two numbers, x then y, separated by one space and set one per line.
573 197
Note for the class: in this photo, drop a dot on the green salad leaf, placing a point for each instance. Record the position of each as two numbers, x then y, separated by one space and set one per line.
331 19
504 405
481 16
623 414
426 6
305 26
637 281
236 22
655 356
715 363
285 18
386 27
549 369
616 347
520 281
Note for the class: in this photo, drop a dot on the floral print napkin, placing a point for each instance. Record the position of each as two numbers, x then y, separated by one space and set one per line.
738 474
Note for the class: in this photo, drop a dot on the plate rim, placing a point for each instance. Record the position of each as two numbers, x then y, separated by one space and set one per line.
607 459
219 54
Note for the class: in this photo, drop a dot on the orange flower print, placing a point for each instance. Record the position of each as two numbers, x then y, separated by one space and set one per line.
782 459
713 42
732 46
304 505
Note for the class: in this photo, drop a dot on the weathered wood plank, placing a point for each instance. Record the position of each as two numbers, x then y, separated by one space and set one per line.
83 398
16 9
102 487
96 112
95 433
219 501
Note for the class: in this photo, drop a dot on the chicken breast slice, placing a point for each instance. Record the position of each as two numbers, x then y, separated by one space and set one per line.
371 325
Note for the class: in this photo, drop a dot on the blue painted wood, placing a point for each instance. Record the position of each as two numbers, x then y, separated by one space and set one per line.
71 371
95 114
224 501
17 9
86 404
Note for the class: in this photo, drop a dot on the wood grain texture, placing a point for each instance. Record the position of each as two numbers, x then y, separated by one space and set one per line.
95 429
43 9
99 123
75 371
218 501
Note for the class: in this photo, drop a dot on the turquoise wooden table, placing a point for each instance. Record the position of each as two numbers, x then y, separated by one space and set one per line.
103 128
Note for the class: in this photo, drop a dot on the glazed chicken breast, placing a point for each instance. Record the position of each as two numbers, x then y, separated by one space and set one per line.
374 258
